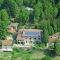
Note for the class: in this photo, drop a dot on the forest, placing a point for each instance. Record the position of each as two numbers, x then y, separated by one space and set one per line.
44 14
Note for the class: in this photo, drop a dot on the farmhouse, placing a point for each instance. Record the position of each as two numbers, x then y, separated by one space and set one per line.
28 37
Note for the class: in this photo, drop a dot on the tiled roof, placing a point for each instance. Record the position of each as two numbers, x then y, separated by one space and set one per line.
7 42
54 37
28 32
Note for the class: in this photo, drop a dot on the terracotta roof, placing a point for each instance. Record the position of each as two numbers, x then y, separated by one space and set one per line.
12 27
19 37
21 33
54 37
7 42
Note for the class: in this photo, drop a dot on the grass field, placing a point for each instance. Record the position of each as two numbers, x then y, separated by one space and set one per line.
28 55
37 55
56 58
5 55
24 55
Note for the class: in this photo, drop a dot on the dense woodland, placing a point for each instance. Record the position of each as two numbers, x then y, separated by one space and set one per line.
45 15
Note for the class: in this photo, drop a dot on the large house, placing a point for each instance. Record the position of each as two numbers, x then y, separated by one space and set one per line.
28 37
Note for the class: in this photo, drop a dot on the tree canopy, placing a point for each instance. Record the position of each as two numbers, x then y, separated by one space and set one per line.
45 14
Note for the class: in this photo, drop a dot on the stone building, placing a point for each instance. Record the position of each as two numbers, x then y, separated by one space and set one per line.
28 37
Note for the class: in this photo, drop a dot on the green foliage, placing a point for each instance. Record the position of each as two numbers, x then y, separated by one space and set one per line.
58 24
23 16
19 2
1 2
40 46
45 14
23 54
44 25
13 8
57 47
4 21
38 11
46 58
50 10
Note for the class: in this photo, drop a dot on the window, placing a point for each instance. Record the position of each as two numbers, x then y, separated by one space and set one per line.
35 38
18 42
30 38
51 37
22 43
30 41
39 38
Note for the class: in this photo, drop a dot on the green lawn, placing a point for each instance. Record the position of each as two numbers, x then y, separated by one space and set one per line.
57 58
37 55
27 55
5 55
24 55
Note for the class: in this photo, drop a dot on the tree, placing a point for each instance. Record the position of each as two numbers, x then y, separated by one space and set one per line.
55 25
58 6
45 16
19 2
5 16
50 10
38 14
1 2
57 47
23 16
44 27
38 11
49 27
14 9
45 36
58 24
4 21
26 2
